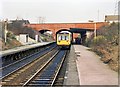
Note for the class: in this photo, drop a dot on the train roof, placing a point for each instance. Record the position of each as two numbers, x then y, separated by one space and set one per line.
64 32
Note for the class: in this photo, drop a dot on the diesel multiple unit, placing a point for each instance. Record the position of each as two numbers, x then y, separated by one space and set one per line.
64 39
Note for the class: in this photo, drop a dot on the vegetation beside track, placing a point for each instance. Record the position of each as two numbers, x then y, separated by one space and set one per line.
11 42
15 29
106 45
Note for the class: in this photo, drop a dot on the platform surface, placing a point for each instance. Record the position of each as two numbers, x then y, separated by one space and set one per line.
71 76
21 48
91 70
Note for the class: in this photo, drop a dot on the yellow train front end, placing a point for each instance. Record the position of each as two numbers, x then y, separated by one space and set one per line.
64 40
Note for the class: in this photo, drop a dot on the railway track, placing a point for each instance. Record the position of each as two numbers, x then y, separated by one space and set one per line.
14 70
61 75
47 74
22 55
11 68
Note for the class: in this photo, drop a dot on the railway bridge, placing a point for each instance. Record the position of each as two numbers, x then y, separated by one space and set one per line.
84 29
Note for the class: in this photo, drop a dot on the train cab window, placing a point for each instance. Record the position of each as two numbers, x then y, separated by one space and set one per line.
59 37
63 37
66 38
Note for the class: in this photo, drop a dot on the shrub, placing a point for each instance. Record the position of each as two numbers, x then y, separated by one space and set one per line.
10 35
99 40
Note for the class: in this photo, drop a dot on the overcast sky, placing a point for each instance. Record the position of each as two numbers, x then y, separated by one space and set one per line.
57 10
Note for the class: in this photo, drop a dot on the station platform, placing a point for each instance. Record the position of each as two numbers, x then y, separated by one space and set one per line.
86 68
22 48
71 77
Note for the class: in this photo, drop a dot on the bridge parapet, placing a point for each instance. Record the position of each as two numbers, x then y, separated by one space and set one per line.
54 27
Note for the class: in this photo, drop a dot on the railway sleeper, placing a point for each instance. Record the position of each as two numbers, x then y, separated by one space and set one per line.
47 85
42 81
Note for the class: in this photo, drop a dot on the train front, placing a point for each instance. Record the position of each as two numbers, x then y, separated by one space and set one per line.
63 39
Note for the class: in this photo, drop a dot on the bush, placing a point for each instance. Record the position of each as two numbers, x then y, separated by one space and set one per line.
99 40
110 33
88 42
10 35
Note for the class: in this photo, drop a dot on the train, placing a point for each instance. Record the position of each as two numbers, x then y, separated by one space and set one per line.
64 39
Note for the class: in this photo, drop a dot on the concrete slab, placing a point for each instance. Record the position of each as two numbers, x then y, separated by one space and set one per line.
71 77
91 70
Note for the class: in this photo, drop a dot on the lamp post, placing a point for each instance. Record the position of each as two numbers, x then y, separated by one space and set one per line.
5 30
95 30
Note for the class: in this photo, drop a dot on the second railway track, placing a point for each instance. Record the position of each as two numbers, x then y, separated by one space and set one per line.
25 72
